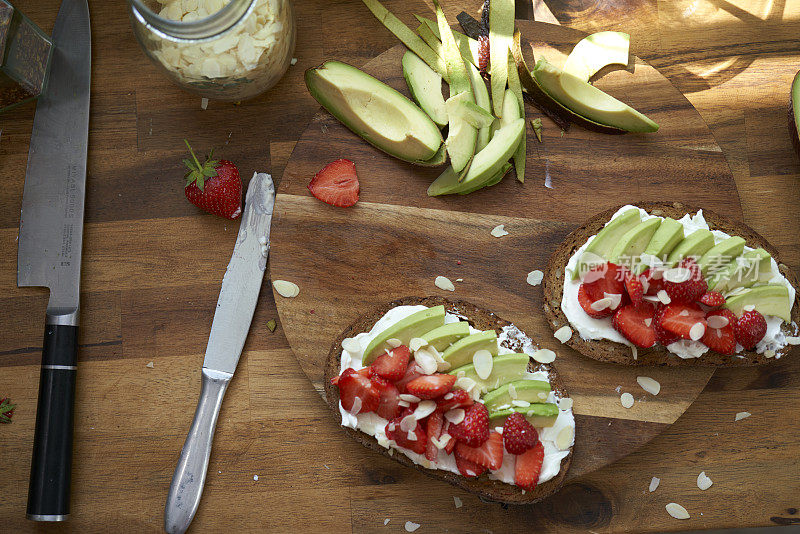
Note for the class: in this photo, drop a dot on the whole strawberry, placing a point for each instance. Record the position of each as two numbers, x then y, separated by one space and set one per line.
473 431
214 185
750 328
685 283
6 410
518 434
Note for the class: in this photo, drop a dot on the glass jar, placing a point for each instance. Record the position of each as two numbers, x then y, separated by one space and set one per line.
219 49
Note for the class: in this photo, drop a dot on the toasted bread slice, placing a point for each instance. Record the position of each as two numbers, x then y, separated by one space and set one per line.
483 487
610 351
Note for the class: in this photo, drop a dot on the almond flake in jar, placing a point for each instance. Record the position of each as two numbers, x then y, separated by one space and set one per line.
235 64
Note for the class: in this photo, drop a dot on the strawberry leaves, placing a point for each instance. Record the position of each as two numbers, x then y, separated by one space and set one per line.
6 410
199 172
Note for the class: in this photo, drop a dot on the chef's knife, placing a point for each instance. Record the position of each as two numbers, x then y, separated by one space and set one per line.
49 255
237 302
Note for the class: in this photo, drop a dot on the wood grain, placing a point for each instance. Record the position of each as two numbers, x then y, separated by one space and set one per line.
131 420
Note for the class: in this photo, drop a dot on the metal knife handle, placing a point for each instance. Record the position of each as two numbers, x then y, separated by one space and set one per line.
190 473
51 464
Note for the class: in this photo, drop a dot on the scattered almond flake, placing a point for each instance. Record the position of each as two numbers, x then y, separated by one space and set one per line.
663 297
255 477
697 331
677 275
286 289
742 415
703 482
411 527
648 321
520 403
654 482
356 408
498 429
408 397
749 307
677 511
535 277
649 385
460 374
408 423
483 362
563 334
443 440
150 365
424 409
426 360
444 283
565 437
536 124
416 343
651 298
616 299
717 321
457 502
351 345
272 325
626 399
499 230
455 416
542 395
793 340
459 279
769 353
203 103
565 403
293 61
512 391
403 403
544 356
394 342
412 436
601 304
645 283
635 352
386 521
465 383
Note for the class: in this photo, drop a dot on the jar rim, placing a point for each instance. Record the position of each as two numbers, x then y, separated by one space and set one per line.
210 27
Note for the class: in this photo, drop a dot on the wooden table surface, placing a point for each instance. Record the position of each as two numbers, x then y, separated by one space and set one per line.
152 266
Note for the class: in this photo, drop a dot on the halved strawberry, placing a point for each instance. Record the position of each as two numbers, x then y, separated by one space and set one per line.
687 290
336 184
664 337
601 282
451 443
414 440
431 386
720 338
680 318
413 371
458 398
635 288
636 323
467 468
489 454
474 429
433 430
389 400
392 365
750 328
712 298
653 281
352 386
528 466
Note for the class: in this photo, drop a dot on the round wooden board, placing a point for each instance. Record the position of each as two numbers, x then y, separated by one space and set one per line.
396 240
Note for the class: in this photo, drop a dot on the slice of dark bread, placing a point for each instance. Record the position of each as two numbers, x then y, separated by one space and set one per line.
610 351
491 490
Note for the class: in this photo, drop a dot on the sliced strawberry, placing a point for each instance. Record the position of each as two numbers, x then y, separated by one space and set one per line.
412 371
467 468
451 443
336 184
392 365
431 386
636 323
518 434
433 429
750 328
528 466
720 338
489 454
712 298
635 289
458 398
474 429
414 440
679 319
352 386
687 290
600 282
389 400
653 281
664 337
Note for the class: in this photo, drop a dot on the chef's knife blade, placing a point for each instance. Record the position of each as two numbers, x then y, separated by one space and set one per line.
235 306
49 254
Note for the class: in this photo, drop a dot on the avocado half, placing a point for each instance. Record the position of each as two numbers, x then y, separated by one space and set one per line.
374 111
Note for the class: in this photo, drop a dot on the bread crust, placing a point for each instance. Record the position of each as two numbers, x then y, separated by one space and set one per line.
482 486
610 351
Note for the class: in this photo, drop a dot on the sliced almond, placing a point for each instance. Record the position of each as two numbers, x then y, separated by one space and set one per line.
483 362
677 275
626 399
393 342
635 352
717 321
677 511
697 331
649 385
749 307
654 482
520 403
512 391
565 437
416 343
535 277
769 353
457 502
408 423
286 289
616 299
499 231
465 383
742 415
455 416
426 361
424 409
663 297
601 304
443 440
408 397
648 321
544 356
563 334
793 340
703 482
356 407
351 345
444 283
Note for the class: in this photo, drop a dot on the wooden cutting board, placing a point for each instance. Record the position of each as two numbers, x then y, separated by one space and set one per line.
396 240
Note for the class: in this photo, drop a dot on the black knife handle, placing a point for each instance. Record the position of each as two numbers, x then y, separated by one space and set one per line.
51 464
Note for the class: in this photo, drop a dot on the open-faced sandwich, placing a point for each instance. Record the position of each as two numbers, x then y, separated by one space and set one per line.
454 390
668 284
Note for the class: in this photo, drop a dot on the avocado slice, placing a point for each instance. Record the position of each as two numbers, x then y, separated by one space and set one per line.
371 109
469 47
511 112
493 181
444 336
414 325
461 352
695 245
515 87
771 299
485 165
425 86
596 51
720 255
482 99
440 158
464 107
666 238
506 368
589 101
448 180
407 36
533 391
605 240
751 267
539 415
633 242
501 28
